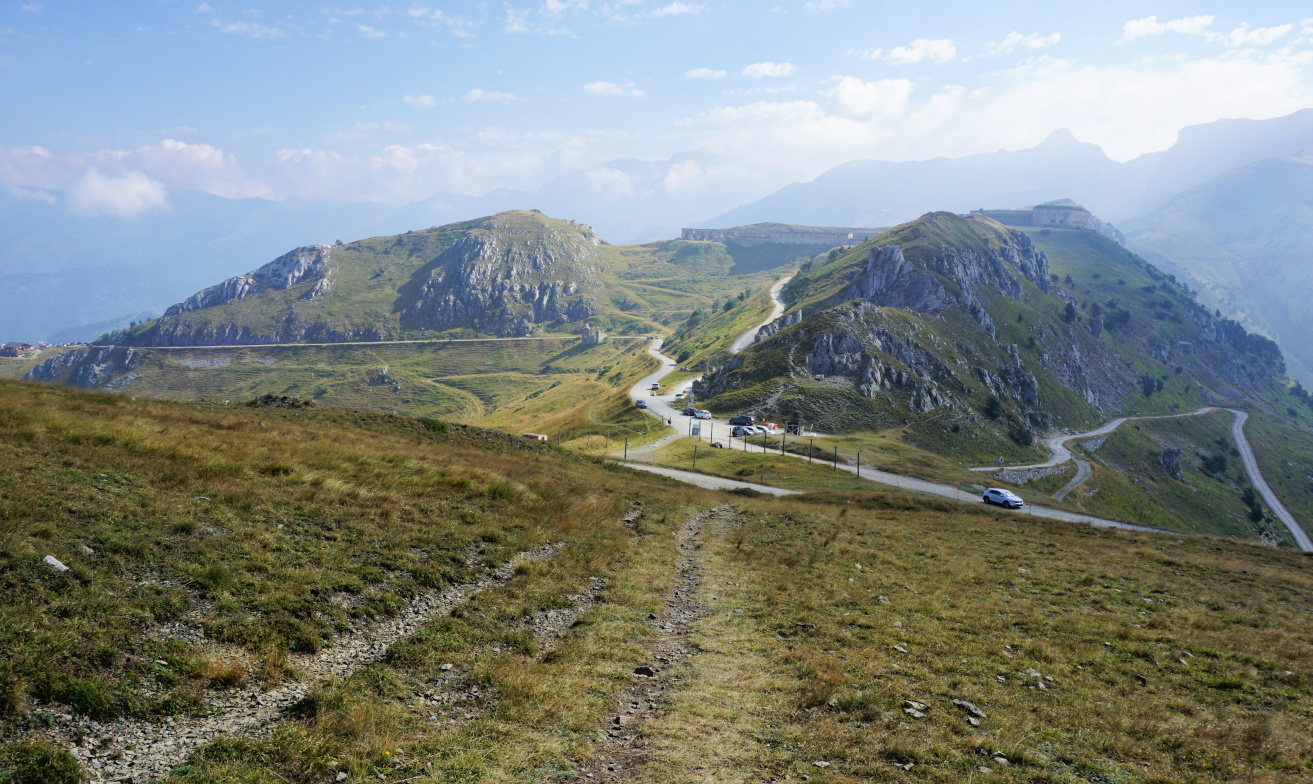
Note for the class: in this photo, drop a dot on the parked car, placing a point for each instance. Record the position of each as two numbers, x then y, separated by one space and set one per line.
703 414
743 419
739 432
690 411
641 403
1001 497
756 430
679 395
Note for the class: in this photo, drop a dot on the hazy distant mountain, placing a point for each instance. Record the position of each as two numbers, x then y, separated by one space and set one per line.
1245 240
879 193
59 271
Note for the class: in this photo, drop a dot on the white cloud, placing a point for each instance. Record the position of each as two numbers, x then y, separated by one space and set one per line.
420 101
678 9
371 32
611 88
249 29
558 8
32 8
1261 36
487 96
125 196
1015 41
19 192
705 73
203 8
768 70
1149 25
825 5
611 183
517 22
852 97
938 50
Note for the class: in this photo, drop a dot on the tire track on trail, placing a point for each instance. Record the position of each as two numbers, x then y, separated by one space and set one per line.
138 750
623 746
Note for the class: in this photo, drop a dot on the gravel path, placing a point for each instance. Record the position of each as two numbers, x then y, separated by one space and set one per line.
1083 472
746 338
1260 484
1060 453
622 748
141 751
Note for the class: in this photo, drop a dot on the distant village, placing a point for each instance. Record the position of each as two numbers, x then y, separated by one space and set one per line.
17 350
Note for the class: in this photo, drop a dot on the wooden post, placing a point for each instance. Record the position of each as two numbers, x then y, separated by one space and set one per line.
695 458
859 464
763 472
626 448
836 458
811 447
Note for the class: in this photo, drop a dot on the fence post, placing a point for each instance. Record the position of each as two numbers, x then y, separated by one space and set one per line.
811 447
626 448
836 458
695 458
859 464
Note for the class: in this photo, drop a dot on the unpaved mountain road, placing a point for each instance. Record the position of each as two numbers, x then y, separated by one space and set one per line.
1260 484
1060 453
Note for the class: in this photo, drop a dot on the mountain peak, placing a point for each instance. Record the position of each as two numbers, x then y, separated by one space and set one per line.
1060 136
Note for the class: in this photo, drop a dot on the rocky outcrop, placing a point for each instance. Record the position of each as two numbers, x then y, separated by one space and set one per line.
508 284
284 272
1170 459
87 368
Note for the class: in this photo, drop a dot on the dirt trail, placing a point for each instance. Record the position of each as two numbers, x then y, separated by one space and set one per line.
142 751
623 747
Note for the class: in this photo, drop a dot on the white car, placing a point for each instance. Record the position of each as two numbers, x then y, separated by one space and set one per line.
1001 497
703 414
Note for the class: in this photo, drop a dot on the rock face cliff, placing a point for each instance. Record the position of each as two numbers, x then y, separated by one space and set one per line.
511 274
312 262
506 281
909 329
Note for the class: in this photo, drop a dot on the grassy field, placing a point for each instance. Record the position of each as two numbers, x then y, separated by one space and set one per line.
1092 655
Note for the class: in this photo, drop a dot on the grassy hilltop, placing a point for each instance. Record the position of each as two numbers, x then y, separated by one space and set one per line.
212 549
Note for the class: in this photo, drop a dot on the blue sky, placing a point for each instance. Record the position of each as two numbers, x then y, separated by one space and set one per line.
121 104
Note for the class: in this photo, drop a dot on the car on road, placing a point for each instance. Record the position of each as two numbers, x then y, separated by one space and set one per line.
703 414
641 403
1000 497
744 431
679 395
689 411
743 419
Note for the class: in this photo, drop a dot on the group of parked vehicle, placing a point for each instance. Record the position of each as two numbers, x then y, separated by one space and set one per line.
697 413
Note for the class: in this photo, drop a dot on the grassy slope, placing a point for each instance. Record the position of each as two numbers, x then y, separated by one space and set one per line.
1130 482
379 507
12 368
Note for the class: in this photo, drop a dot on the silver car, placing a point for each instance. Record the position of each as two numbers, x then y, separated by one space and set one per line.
1000 497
